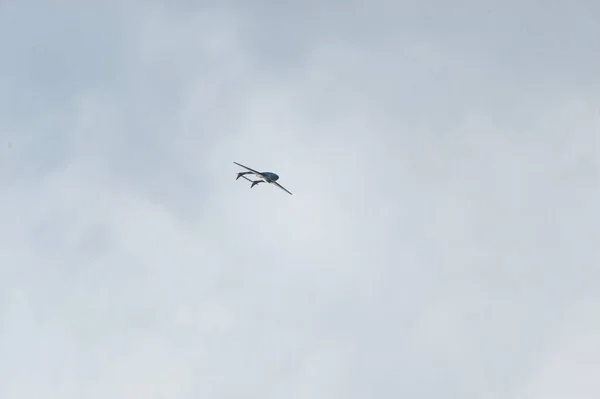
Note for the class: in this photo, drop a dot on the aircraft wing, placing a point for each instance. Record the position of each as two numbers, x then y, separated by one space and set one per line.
281 187
251 170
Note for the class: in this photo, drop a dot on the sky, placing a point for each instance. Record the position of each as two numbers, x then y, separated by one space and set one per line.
442 239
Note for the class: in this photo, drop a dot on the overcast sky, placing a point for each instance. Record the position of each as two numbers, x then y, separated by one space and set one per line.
442 241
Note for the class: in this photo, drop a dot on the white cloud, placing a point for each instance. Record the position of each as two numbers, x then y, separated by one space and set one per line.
571 366
441 230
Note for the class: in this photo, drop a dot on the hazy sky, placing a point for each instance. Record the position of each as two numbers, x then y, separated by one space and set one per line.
443 240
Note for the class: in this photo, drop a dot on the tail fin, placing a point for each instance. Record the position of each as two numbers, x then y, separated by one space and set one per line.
239 175
255 182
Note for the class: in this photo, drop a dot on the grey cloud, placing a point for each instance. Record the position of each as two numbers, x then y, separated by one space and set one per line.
441 240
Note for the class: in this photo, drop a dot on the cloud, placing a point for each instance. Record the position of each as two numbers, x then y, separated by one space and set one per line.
572 364
440 240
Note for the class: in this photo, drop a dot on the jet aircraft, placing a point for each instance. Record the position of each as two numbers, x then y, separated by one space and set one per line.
264 177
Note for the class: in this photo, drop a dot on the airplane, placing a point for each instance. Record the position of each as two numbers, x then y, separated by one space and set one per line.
266 177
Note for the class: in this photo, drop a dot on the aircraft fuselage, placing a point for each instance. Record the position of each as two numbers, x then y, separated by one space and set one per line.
270 177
